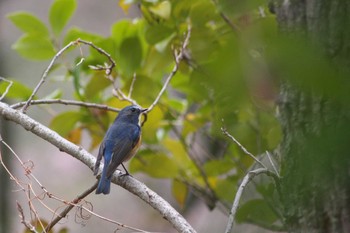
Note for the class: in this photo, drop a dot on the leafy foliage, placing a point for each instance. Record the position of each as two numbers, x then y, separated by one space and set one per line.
219 83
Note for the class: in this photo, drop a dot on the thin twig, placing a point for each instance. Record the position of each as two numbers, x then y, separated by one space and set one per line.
178 57
29 226
46 72
7 88
111 221
233 26
121 96
247 178
108 69
70 206
5 167
29 189
224 131
272 163
132 85
66 102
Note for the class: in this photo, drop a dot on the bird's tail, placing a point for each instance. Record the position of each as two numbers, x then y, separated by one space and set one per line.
104 185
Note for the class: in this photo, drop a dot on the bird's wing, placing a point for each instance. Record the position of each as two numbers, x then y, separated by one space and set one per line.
124 147
99 157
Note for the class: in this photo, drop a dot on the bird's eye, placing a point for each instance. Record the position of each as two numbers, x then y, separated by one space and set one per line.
133 109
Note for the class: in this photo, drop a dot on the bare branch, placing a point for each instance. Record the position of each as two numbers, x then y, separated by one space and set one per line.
132 85
29 226
224 131
27 169
121 96
247 178
272 163
46 72
70 207
107 68
178 58
6 169
109 220
7 88
66 102
232 25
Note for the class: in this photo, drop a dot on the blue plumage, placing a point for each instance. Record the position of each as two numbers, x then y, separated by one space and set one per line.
121 142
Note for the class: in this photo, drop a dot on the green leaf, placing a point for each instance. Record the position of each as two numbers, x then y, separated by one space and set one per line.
28 23
130 55
157 32
64 123
108 45
60 13
162 9
97 83
226 188
123 29
179 155
34 47
17 90
152 125
180 105
274 136
180 192
256 211
76 33
155 165
218 167
156 62
130 45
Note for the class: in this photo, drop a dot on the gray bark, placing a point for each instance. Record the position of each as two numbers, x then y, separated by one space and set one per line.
316 140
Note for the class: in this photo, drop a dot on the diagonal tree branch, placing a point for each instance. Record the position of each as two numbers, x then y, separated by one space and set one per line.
179 56
129 183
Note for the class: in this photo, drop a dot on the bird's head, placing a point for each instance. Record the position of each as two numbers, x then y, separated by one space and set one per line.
131 113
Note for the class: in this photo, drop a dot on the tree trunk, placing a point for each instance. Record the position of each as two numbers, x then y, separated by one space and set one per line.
316 128
5 183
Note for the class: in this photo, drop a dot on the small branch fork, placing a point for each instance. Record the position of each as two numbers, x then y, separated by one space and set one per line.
178 57
224 131
247 178
108 69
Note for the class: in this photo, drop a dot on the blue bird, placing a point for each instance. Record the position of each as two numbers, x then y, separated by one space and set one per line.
121 142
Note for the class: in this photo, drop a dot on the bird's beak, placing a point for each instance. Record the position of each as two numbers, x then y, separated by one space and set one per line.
144 109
